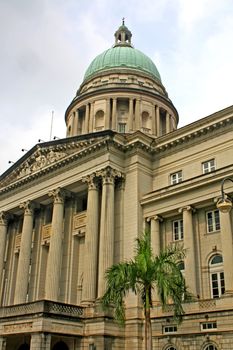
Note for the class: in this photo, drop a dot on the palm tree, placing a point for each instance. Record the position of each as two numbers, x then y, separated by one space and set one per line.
143 274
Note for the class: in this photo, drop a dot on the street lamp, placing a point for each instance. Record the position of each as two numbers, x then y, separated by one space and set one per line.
224 204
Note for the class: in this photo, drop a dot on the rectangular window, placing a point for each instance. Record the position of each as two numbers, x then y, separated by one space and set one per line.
176 177
208 325
217 284
169 329
208 166
178 232
213 221
121 127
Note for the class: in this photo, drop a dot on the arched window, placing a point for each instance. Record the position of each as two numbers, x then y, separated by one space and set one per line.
146 124
210 347
99 120
60 346
170 347
216 276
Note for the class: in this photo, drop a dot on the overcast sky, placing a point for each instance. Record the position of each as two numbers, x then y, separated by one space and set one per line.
46 46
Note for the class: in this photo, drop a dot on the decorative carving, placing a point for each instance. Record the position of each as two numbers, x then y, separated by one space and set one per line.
79 224
92 181
39 160
58 195
4 218
109 175
46 233
28 207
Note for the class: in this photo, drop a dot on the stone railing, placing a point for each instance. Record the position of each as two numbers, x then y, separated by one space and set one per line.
41 307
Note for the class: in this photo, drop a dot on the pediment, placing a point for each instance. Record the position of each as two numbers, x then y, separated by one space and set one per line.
44 156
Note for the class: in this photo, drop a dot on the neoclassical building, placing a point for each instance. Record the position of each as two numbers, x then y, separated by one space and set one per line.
70 208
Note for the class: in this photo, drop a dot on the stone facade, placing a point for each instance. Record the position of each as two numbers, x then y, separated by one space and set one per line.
71 208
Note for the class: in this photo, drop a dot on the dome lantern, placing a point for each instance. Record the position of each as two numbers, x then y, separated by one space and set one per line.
123 35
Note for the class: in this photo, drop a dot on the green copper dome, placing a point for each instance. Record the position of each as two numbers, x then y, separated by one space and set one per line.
122 57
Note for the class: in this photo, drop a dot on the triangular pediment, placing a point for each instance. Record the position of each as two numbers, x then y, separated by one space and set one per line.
46 155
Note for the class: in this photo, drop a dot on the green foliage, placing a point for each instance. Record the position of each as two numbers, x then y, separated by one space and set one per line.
144 273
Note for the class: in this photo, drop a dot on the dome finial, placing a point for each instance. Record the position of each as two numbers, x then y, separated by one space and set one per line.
123 35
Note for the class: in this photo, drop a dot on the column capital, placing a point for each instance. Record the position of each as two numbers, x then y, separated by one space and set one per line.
187 208
28 207
92 181
155 218
109 175
59 195
5 217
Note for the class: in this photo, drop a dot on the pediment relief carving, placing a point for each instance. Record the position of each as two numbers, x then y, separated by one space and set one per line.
39 160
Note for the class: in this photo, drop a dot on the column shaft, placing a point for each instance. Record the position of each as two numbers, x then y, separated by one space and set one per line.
21 285
75 123
114 108
130 114
155 234
91 242
157 112
137 115
190 261
91 124
168 126
227 249
55 248
106 247
107 114
87 112
3 232
153 122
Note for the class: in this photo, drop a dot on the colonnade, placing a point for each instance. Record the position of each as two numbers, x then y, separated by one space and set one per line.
99 239
83 119
190 244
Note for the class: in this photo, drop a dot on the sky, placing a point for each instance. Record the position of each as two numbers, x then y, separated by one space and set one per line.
47 45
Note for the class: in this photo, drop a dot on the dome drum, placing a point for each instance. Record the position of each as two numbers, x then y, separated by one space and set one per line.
124 113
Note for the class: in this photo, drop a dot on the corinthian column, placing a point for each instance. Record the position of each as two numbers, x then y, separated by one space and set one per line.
190 261
91 241
55 247
106 247
4 217
227 249
21 285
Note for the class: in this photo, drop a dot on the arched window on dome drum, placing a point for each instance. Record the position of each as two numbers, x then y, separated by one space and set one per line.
99 120
146 122
217 283
210 347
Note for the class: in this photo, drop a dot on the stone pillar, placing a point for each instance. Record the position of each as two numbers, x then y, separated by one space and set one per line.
21 285
114 109
189 245
155 234
227 249
55 247
157 113
130 114
4 217
91 123
106 246
2 343
40 341
107 114
91 241
153 122
137 114
75 123
87 112
168 123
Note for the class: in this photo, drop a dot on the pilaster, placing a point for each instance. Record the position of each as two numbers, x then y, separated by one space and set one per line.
4 218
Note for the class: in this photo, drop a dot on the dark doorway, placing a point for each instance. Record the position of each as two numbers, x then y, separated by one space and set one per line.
60 346
24 347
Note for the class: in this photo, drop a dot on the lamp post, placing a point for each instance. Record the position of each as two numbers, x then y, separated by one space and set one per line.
224 204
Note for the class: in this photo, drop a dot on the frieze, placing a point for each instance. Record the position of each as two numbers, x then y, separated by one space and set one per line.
18 327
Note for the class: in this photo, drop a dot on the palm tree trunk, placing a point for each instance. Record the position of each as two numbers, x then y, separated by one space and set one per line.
148 330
